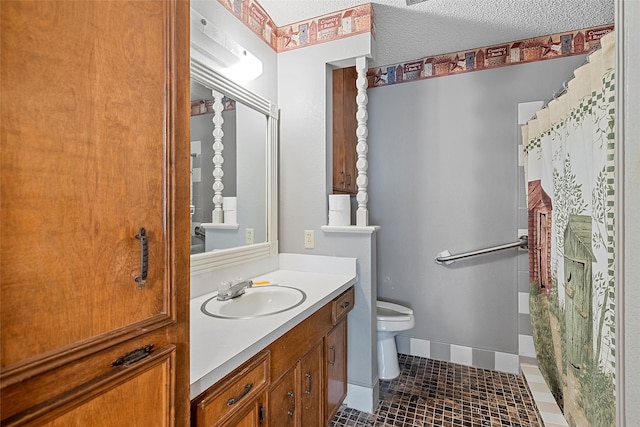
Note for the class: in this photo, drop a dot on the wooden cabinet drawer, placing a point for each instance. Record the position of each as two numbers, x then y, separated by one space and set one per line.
231 394
93 389
342 305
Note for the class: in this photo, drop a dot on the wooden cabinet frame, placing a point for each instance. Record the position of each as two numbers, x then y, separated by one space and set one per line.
96 99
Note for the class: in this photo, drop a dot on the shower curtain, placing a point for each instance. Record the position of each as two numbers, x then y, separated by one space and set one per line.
569 170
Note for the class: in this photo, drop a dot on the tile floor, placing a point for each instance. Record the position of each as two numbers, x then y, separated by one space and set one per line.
435 393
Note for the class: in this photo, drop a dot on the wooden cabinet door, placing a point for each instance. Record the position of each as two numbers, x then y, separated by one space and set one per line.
311 395
336 368
344 130
94 129
284 401
251 416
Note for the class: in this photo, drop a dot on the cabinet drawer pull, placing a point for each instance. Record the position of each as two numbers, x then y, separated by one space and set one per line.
332 355
293 403
234 400
309 383
342 305
134 356
144 257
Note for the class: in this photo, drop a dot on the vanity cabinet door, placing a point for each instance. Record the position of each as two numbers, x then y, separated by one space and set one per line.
344 130
336 368
251 416
335 353
284 400
310 387
94 128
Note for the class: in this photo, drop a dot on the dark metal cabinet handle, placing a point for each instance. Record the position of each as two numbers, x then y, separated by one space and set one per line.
234 400
309 383
144 257
345 304
134 356
332 355
293 403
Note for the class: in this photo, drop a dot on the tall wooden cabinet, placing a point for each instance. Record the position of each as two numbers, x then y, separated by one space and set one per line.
344 92
94 257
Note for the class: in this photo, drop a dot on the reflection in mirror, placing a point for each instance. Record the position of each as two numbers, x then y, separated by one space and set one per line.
228 172
252 233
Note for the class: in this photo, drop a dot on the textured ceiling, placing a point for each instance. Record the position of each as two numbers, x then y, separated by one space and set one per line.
435 27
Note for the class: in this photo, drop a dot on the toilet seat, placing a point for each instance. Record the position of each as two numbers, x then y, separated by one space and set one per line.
390 312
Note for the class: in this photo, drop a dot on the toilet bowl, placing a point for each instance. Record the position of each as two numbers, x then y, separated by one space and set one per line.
391 319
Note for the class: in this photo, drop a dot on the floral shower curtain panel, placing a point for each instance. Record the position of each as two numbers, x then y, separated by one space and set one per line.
569 169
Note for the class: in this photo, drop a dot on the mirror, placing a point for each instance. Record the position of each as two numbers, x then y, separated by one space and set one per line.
233 171
226 137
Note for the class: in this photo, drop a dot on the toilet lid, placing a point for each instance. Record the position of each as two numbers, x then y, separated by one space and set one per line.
391 315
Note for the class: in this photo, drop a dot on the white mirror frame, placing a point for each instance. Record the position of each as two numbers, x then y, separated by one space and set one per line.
210 261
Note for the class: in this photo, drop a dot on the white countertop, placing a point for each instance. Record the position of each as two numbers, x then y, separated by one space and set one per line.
218 346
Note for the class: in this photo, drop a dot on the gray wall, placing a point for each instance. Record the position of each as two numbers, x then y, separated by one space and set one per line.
443 175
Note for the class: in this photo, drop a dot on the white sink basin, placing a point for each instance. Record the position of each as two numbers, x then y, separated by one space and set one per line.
255 302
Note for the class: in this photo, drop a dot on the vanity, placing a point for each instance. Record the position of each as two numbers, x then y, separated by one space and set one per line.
284 369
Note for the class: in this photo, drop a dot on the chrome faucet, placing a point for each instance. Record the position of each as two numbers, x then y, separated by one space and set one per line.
199 231
229 290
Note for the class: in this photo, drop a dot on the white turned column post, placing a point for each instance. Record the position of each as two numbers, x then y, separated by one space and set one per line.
362 214
218 160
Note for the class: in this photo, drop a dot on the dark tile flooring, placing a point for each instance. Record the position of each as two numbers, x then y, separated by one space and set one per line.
435 393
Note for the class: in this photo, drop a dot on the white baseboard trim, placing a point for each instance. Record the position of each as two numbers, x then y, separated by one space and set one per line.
468 356
362 398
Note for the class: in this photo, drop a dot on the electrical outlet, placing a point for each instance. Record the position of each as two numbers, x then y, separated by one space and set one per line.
248 238
196 175
308 239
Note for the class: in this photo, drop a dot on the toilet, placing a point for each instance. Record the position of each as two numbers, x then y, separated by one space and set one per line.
391 319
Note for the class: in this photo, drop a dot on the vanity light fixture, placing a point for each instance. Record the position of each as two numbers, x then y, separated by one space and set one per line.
212 46
248 68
